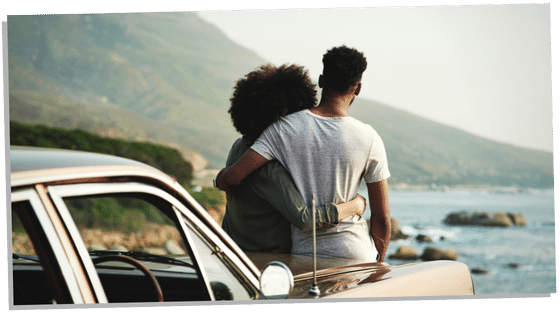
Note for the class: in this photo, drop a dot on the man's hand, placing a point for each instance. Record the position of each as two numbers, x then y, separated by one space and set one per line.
380 221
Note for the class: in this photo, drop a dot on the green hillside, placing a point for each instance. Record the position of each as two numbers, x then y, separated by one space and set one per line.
167 78
167 160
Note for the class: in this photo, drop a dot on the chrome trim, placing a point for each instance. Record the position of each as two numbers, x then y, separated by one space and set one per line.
54 192
218 234
24 178
236 261
192 244
288 272
66 269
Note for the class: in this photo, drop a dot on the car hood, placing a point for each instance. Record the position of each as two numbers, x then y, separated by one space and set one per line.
340 278
333 275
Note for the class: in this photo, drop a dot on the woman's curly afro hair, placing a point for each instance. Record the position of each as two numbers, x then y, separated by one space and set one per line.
343 68
265 95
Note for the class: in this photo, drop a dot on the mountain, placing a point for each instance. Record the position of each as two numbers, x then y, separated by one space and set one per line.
421 151
157 76
168 77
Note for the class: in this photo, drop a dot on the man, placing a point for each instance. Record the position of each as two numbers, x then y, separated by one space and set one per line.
262 209
328 153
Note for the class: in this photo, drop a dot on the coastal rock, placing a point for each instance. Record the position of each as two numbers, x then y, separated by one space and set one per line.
404 253
431 253
518 219
479 271
421 238
481 218
396 233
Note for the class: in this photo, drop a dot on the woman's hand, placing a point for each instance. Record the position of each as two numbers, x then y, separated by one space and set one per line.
356 206
362 204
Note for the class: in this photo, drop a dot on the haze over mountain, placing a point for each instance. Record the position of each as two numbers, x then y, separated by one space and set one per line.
167 78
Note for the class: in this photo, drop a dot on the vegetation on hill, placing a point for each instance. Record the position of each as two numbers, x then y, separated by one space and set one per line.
166 159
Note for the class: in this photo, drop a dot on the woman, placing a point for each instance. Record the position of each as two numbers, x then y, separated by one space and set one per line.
261 210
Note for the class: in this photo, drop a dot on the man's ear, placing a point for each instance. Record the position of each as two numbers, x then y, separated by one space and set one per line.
358 89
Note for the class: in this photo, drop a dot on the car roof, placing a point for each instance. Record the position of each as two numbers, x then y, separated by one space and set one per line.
30 165
30 158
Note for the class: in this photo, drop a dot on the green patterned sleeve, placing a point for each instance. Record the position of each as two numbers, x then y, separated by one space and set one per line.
280 190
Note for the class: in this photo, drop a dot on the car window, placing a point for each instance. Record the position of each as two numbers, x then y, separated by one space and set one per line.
225 285
141 227
29 282
21 242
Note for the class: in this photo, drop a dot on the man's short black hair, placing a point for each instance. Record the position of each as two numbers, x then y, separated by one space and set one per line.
343 68
265 95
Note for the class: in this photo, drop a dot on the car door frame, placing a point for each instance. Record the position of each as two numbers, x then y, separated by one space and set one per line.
61 251
58 192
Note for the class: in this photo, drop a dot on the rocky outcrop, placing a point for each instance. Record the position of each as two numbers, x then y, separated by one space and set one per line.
431 253
478 271
482 218
396 233
421 238
404 253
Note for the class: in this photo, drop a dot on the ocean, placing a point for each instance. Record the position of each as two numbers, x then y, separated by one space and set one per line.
517 260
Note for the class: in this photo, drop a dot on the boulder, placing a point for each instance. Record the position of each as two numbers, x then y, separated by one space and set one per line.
396 233
499 219
404 253
481 218
421 238
479 271
431 253
518 219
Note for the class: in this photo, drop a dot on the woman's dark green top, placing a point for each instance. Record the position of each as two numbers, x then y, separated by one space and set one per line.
262 209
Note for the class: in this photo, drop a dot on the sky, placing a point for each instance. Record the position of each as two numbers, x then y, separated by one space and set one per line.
485 69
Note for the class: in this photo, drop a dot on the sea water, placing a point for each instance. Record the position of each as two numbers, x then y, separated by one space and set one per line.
516 260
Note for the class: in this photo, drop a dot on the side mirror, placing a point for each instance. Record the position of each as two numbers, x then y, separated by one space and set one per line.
276 281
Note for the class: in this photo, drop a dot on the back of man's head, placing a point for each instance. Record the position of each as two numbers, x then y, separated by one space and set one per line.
342 68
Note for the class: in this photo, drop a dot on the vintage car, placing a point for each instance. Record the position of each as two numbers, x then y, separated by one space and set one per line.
93 228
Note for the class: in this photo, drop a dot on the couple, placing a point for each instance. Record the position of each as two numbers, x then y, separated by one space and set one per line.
292 149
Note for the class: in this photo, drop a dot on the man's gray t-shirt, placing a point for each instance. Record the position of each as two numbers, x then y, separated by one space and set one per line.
328 157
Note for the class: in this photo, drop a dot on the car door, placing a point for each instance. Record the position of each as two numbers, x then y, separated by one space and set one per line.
45 269
116 218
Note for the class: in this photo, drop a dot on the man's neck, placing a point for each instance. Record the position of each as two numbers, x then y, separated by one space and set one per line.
333 106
